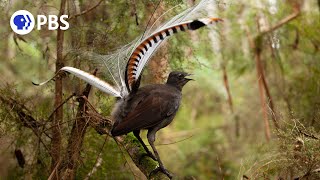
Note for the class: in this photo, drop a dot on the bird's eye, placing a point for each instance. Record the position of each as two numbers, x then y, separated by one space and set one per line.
180 75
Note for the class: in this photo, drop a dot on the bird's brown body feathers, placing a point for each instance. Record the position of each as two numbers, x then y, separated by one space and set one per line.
152 105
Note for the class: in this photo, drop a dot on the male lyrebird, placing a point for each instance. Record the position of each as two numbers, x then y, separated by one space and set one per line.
151 107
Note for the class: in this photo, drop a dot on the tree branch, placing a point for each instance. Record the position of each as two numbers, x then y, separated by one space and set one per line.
260 75
285 20
26 118
76 138
135 150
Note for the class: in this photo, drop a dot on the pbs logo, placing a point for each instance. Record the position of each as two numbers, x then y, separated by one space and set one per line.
22 22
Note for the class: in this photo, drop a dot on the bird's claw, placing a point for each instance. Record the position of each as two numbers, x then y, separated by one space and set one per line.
147 154
162 169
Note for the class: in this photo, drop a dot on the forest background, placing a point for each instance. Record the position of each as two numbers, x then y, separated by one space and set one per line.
252 112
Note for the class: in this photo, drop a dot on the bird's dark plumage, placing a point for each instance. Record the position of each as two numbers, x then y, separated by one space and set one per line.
151 107
148 108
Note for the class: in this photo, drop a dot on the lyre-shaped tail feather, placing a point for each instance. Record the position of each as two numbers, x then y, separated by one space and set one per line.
89 78
141 54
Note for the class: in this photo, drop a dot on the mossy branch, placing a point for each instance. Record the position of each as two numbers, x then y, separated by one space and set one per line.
130 143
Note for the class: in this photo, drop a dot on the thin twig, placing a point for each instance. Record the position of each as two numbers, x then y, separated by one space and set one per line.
86 11
174 142
66 100
150 19
89 104
308 135
97 162
52 175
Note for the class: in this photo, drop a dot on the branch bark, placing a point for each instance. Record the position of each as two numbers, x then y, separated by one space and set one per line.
260 75
227 87
230 101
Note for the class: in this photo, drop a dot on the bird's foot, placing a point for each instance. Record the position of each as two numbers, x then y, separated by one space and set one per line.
161 169
147 154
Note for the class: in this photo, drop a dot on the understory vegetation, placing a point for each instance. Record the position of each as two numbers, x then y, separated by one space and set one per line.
253 111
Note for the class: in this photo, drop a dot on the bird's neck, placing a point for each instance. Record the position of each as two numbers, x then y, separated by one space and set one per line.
175 85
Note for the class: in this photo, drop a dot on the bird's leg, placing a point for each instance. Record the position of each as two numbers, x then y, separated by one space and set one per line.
151 138
149 153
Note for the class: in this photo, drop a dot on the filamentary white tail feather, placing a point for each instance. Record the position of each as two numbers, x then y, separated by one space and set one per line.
89 78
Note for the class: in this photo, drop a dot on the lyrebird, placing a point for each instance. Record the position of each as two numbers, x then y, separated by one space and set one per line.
151 107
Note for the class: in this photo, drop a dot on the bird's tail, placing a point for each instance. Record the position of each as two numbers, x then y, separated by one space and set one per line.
89 78
143 51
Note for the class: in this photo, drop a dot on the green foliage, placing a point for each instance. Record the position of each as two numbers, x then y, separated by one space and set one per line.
295 154
113 159
201 143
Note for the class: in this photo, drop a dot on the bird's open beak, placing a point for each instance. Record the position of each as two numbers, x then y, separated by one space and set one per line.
189 79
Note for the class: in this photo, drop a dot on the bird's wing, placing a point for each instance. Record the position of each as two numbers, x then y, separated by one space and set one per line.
144 50
151 110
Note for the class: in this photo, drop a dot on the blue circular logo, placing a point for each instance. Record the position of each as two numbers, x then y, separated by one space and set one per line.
22 22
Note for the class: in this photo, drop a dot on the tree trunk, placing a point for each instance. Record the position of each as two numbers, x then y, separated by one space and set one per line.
58 115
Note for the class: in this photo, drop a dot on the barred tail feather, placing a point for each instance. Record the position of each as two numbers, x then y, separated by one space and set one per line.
89 78
141 54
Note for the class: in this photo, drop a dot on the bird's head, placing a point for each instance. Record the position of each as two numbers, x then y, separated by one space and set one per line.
178 79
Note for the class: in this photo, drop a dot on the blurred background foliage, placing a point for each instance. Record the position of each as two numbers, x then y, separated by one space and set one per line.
209 138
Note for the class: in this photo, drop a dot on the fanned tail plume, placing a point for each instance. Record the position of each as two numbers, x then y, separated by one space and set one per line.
125 65
89 78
